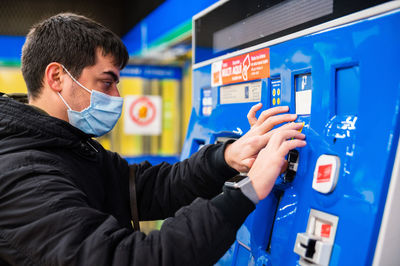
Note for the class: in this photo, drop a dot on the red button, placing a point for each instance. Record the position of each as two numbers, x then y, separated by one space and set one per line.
325 230
324 173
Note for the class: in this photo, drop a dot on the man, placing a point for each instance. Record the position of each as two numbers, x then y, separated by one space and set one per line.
64 200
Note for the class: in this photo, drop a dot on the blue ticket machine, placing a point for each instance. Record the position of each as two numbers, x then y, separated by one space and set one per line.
336 64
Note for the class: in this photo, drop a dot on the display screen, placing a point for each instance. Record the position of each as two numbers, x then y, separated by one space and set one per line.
279 17
239 24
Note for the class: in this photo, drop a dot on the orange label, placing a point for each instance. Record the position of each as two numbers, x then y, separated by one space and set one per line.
246 67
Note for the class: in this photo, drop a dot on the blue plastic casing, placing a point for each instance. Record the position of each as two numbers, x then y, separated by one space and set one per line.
352 71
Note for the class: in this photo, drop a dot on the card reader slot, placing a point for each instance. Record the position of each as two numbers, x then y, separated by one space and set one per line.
293 162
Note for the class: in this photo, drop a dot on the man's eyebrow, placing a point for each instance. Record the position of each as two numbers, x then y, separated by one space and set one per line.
113 75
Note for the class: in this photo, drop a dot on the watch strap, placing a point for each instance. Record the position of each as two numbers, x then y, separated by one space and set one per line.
249 191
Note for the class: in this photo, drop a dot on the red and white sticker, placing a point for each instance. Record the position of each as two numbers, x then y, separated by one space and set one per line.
245 67
326 173
322 228
142 115
326 230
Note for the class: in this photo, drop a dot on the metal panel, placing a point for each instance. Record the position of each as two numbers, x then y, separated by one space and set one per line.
387 252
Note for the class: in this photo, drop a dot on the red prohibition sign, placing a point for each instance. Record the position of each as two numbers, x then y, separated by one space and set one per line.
144 101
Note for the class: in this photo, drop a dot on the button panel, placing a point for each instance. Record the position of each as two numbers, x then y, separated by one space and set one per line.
275 92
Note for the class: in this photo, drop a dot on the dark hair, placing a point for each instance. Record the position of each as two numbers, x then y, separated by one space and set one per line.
71 40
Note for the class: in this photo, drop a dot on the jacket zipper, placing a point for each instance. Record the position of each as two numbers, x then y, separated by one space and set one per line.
91 146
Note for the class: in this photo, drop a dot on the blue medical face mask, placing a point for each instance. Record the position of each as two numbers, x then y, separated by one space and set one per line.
100 116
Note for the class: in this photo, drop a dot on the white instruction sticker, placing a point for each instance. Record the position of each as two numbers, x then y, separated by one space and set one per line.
241 93
303 102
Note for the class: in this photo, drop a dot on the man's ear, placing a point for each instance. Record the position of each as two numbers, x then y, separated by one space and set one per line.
53 76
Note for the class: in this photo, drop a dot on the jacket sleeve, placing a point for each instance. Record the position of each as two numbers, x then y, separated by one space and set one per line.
163 189
46 220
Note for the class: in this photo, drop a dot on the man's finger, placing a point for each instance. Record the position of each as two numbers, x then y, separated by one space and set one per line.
249 163
271 112
284 167
273 121
280 137
294 126
251 116
291 133
290 145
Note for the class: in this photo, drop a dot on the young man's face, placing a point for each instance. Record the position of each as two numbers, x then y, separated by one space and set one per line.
103 77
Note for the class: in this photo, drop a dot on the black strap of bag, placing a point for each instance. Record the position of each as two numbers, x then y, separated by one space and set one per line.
132 197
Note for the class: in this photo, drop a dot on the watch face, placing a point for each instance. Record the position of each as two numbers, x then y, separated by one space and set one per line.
237 181
237 178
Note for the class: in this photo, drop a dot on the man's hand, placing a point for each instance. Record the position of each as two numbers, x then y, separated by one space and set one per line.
271 160
241 154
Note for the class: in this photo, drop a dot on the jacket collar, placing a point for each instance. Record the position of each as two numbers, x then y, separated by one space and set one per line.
20 117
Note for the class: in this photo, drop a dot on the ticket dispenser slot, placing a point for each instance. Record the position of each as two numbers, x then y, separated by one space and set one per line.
276 199
315 245
347 87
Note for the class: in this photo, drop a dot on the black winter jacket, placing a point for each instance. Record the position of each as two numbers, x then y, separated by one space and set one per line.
64 200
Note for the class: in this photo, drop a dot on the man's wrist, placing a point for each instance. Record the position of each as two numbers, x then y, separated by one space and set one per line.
234 205
215 153
226 155
249 191
245 185
229 158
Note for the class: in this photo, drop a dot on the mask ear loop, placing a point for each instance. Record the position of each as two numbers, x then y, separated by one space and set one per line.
77 82
62 98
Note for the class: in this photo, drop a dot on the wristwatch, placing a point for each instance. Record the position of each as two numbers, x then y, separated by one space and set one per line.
243 183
